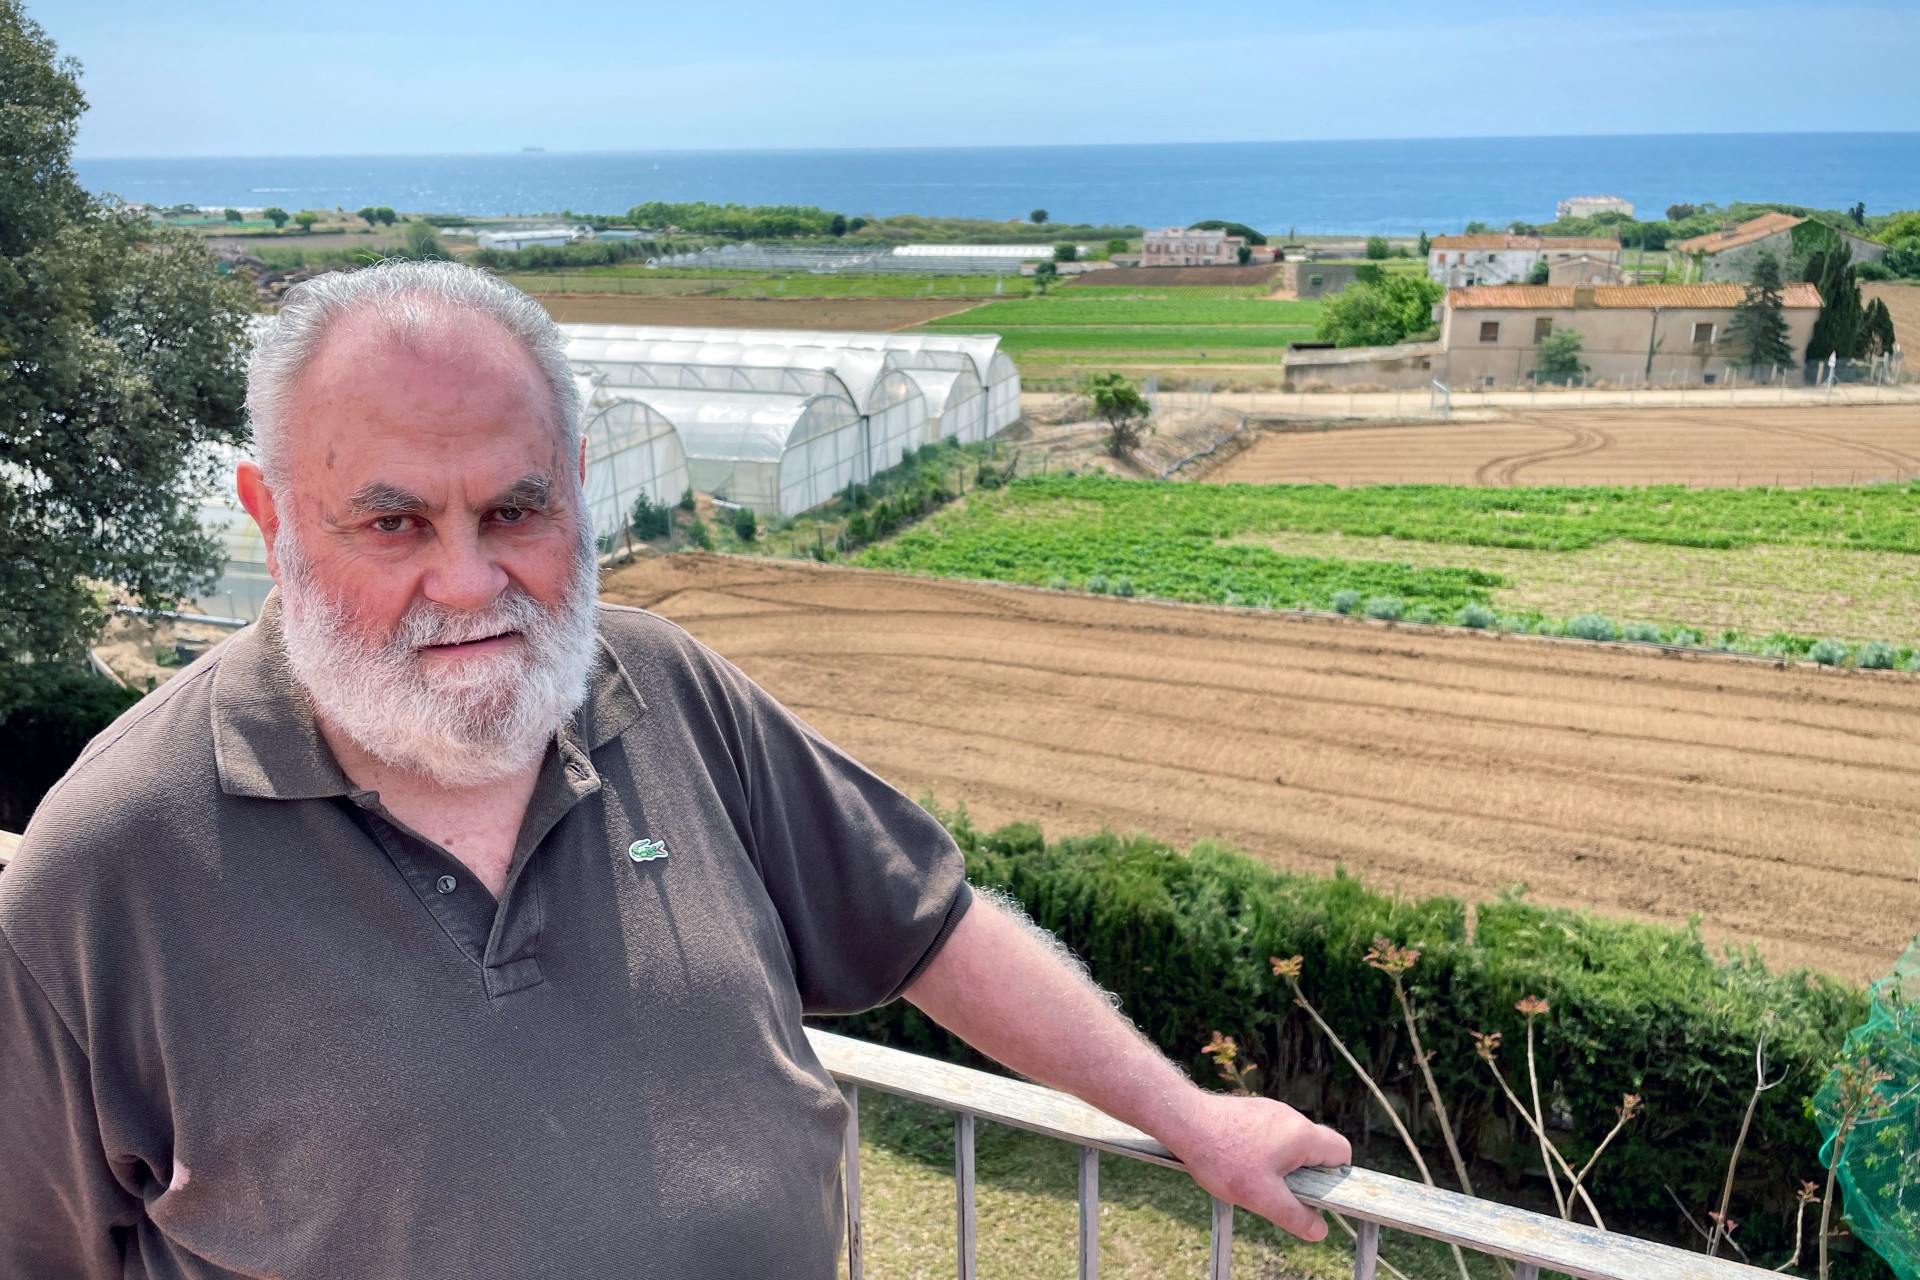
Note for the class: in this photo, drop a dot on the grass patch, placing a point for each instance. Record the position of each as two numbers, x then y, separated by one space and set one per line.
1856 595
1058 310
1089 342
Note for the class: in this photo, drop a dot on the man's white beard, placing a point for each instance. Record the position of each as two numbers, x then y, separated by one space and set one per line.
462 727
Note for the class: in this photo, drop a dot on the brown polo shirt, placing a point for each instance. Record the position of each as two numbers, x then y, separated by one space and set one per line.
252 1026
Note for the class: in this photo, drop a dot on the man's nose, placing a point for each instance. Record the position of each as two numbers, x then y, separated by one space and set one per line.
463 575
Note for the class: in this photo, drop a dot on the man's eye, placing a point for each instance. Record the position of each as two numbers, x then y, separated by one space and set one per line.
391 524
512 515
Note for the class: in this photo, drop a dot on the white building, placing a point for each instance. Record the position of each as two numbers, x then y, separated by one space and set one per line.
1185 247
532 237
1017 252
1587 206
1461 262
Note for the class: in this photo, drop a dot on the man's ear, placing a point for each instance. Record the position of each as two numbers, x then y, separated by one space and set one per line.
257 498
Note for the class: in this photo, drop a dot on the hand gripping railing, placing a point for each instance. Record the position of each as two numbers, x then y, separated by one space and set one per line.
1531 1241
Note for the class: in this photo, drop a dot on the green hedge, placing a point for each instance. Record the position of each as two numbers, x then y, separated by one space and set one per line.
1184 939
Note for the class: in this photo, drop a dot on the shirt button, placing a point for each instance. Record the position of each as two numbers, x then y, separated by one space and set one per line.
446 884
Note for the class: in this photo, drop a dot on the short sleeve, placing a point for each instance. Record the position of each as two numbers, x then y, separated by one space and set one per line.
62 1212
867 883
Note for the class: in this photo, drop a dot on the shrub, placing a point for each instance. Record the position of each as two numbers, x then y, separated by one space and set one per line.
1422 614
686 500
1643 631
1592 626
650 519
1098 584
1123 586
1346 601
746 526
1877 655
1516 624
1685 636
1477 616
698 536
1058 583
53 712
1183 939
1385 608
1828 652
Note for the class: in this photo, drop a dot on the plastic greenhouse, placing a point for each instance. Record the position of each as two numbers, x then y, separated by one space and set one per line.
631 450
890 401
779 454
998 376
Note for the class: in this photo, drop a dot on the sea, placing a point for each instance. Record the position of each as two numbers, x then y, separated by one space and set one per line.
1305 188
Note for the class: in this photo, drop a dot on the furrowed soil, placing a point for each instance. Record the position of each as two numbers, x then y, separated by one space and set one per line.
1854 444
1777 804
867 314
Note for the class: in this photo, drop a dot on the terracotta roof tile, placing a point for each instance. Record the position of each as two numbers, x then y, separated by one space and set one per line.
1619 297
1759 228
1548 243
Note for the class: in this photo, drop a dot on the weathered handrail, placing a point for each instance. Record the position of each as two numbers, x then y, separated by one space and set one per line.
1532 1241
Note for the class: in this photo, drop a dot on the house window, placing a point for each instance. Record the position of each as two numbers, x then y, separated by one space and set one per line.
1487 381
1316 281
1489 331
1542 330
1703 331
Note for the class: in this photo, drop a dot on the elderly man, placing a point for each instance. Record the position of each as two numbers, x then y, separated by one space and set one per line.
448 923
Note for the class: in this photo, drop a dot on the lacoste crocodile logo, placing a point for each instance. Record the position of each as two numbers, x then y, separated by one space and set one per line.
646 850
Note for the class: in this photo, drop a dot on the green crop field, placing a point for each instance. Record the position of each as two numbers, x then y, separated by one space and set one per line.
1089 343
1760 569
1064 310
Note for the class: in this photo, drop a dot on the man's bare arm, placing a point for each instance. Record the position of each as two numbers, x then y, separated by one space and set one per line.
1000 986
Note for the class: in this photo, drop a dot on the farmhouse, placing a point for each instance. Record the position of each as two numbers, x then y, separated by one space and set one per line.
1463 261
1730 252
1582 268
1672 333
1185 247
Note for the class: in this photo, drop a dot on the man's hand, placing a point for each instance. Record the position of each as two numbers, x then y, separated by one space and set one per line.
1240 1149
1009 991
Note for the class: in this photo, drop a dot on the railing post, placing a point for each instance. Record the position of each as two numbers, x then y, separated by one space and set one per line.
963 1189
1366 1251
850 1149
1089 1214
1220 1255
1525 1271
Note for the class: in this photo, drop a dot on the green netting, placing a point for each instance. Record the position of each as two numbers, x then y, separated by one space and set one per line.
1869 1107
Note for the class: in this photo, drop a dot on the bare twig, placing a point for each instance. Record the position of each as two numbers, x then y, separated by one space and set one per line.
1421 1056
1487 1043
1629 1106
1721 1229
1681 1205
1290 971
1532 1006
1807 1196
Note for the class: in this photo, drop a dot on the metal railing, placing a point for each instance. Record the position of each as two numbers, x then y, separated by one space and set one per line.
1363 1200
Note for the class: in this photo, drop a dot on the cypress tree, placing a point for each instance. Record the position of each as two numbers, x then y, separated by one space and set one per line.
1760 321
1841 328
1879 327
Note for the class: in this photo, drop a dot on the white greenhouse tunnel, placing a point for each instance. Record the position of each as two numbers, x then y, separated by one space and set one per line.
998 376
778 454
888 398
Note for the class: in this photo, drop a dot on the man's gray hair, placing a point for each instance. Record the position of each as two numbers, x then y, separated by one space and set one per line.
410 299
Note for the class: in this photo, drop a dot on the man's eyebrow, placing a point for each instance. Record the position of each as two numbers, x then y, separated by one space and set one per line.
533 491
380 498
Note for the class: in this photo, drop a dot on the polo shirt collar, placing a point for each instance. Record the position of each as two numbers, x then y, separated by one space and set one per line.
267 744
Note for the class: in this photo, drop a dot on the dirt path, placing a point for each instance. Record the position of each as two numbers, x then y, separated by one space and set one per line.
1778 805
1717 446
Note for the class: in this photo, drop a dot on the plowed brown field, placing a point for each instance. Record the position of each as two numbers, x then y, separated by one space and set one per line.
1795 446
1780 805
750 313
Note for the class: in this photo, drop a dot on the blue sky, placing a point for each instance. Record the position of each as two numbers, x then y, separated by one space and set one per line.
194 78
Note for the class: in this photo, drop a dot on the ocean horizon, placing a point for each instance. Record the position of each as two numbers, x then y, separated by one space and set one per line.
1311 188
